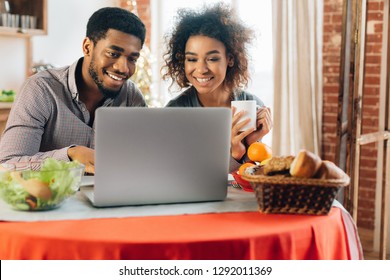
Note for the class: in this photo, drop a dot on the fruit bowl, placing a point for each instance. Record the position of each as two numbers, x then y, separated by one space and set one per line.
37 186
244 184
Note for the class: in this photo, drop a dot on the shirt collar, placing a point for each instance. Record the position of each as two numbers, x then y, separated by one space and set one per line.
72 78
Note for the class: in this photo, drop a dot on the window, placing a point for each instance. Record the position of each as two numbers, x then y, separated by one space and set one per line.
261 52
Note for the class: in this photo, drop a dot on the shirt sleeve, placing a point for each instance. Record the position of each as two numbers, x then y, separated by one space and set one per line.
233 164
22 137
137 99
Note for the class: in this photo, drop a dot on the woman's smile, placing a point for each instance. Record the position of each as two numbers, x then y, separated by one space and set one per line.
205 64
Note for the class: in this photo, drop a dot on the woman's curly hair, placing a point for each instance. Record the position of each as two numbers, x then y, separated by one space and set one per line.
218 22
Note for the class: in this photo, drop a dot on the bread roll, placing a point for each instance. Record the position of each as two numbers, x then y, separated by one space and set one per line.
329 170
278 165
305 165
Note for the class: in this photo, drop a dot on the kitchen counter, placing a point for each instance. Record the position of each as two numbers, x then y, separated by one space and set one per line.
5 107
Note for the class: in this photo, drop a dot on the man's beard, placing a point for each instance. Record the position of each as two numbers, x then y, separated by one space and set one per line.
107 93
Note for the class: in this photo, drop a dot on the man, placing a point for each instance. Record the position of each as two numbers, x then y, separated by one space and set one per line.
53 115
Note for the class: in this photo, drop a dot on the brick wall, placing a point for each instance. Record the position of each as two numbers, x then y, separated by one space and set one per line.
143 9
331 69
145 14
331 74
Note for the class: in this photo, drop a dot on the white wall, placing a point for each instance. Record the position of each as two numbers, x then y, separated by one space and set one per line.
12 62
67 22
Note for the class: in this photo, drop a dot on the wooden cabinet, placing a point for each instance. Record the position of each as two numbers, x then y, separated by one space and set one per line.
35 8
38 10
4 112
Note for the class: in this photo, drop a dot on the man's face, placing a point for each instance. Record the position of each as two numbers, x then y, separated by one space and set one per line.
113 61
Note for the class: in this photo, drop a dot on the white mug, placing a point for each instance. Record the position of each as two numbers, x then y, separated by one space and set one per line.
251 111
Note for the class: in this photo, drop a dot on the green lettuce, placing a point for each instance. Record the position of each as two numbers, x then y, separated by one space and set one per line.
63 179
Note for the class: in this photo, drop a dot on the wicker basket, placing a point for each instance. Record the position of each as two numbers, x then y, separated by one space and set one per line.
290 195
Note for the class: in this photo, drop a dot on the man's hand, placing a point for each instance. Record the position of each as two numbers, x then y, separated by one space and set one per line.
83 155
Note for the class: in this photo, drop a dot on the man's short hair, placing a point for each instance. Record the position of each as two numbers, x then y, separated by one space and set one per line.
114 18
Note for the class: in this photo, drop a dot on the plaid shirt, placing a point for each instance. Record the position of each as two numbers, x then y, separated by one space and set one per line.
47 116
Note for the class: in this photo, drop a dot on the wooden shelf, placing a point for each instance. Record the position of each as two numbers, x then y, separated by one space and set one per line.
22 33
36 8
4 112
5 105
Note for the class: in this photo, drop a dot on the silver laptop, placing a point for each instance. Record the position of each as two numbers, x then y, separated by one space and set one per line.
160 155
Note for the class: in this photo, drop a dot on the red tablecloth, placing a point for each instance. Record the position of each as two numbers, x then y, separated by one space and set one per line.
243 235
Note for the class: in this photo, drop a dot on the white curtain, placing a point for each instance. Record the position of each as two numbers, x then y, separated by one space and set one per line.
297 44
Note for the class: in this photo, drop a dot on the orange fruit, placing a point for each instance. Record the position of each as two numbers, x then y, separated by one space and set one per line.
244 166
258 152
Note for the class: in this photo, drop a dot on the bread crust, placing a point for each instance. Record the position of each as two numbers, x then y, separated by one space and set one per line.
305 164
329 170
278 165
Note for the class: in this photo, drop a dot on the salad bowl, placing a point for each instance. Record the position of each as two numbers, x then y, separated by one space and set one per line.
37 186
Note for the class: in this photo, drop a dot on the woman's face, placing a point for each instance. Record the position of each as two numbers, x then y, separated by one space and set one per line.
206 63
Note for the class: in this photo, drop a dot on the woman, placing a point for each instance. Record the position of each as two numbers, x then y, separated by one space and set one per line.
207 55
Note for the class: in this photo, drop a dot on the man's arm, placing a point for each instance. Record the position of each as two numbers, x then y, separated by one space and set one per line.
21 140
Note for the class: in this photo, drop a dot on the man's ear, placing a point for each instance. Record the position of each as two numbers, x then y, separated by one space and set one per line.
87 46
